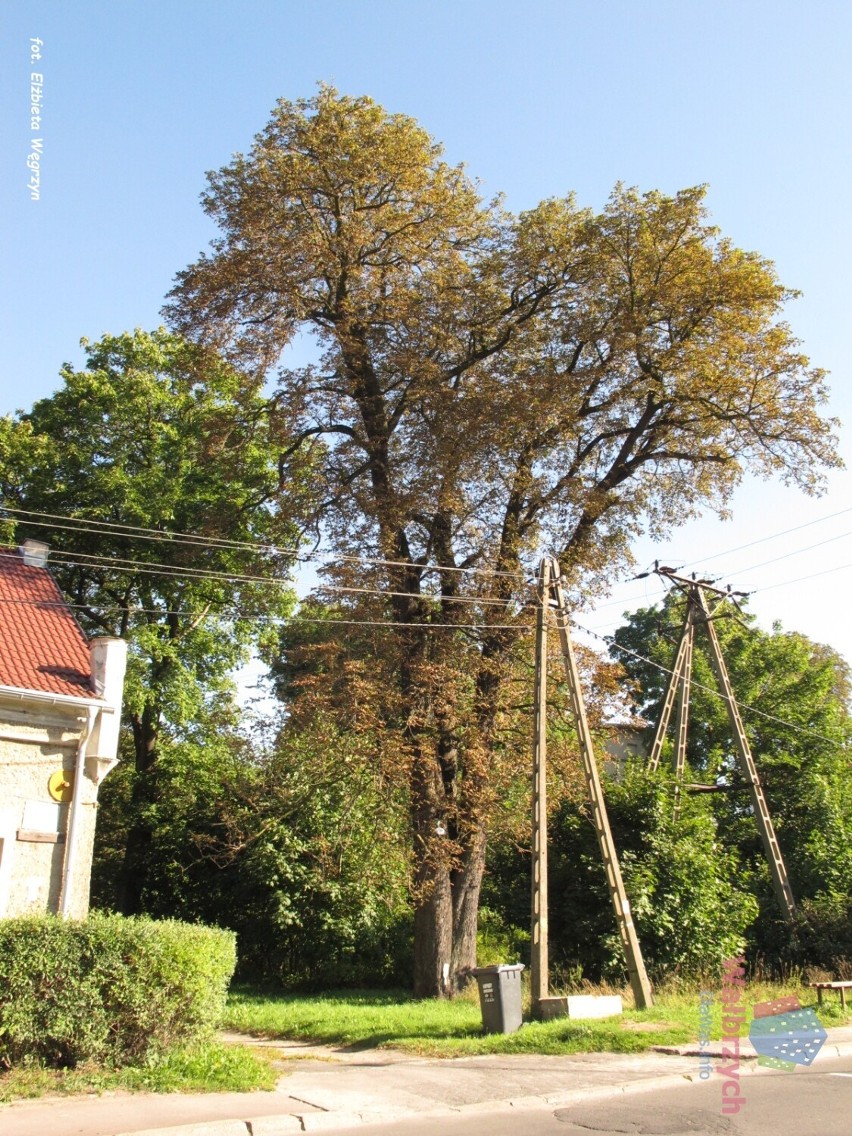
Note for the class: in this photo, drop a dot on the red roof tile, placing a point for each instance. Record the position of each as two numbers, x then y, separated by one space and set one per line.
41 645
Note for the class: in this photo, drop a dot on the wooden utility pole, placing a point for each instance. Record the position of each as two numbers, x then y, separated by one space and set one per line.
699 614
539 941
682 725
777 867
639 982
677 690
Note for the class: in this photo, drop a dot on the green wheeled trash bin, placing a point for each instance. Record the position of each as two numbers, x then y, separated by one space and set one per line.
500 997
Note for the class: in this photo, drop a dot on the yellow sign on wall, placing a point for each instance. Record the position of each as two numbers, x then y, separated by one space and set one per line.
61 785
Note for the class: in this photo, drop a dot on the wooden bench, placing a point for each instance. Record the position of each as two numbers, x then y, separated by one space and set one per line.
841 986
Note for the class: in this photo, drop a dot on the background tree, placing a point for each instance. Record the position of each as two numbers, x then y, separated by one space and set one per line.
163 436
318 877
488 385
799 730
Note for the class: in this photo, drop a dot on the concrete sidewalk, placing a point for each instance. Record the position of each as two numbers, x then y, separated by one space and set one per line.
332 1090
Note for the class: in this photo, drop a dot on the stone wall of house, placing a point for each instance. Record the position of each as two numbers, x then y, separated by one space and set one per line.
38 740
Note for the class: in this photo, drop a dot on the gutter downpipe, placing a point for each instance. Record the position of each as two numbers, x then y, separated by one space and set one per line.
74 814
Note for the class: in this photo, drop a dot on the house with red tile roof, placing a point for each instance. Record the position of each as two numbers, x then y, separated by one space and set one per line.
60 708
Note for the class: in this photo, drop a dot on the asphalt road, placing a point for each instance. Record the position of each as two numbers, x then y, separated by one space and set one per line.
807 1102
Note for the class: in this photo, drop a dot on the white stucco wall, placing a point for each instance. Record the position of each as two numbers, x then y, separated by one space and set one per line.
36 741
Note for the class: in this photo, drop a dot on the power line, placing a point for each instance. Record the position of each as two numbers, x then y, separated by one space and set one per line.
85 525
76 524
95 527
283 620
626 600
772 536
629 599
611 642
753 591
113 528
801 579
187 572
787 555
522 627
750 568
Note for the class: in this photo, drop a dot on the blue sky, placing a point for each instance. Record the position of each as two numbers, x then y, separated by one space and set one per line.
753 97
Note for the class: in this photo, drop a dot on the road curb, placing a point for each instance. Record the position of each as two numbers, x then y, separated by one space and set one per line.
286 1123
205 1128
835 1048
350 1117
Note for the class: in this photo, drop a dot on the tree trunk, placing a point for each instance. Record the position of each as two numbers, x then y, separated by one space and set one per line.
445 925
473 803
433 904
132 876
445 922
449 829
467 883
433 940
449 857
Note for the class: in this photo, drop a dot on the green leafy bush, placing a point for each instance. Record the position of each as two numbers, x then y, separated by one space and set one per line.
690 905
297 850
108 989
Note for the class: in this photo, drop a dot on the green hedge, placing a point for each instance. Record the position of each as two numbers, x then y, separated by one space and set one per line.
108 989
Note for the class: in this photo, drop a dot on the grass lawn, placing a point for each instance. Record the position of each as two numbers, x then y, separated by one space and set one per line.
451 1029
206 1068
371 1018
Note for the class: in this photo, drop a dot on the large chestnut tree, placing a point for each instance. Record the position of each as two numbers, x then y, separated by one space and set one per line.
486 386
